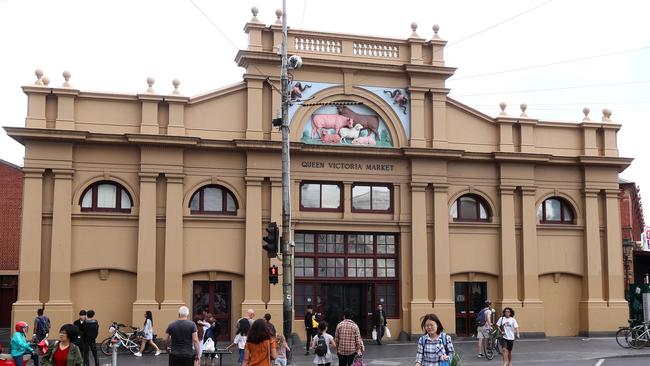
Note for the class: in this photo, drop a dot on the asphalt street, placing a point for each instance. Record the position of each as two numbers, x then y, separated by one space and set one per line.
559 351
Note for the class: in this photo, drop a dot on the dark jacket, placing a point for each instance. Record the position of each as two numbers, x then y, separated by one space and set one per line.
77 323
308 320
89 330
41 327
375 317
74 356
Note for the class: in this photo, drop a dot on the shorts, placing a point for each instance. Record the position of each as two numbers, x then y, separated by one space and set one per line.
241 355
280 361
507 344
482 331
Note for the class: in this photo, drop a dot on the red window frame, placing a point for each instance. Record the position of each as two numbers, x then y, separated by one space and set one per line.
479 202
225 192
371 186
320 208
94 189
563 204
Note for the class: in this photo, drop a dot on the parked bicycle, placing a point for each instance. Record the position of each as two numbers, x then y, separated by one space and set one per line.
126 341
491 343
632 336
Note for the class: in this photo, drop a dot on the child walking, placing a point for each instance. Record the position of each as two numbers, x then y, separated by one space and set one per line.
240 341
321 344
281 348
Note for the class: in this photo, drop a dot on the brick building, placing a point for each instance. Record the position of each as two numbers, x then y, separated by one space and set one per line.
636 260
11 198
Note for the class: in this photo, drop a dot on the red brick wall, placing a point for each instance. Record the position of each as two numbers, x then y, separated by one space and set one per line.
11 200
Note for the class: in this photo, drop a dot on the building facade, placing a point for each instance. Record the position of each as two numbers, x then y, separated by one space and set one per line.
11 198
636 260
410 199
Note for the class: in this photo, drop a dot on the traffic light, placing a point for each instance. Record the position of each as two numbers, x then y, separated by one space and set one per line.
273 275
271 240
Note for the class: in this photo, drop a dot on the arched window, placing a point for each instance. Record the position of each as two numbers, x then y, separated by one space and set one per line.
106 196
555 210
213 200
470 207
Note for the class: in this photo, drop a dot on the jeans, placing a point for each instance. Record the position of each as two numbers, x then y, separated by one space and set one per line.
181 360
92 347
280 361
346 360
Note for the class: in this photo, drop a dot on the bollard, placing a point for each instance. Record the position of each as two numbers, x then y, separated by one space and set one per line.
114 345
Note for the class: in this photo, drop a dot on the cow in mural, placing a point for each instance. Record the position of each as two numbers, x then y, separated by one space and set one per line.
328 121
368 122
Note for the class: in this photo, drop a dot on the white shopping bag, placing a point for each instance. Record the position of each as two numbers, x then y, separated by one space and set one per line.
374 334
208 346
387 332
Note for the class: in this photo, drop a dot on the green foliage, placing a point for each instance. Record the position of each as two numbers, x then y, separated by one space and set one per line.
456 360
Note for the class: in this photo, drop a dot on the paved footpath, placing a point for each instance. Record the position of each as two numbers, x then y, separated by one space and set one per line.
531 352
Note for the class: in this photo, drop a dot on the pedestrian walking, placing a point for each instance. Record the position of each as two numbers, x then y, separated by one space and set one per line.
348 340
379 321
311 326
321 344
272 330
281 348
250 316
210 336
19 344
184 340
89 331
41 330
260 346
77 323
201 324
147 336
509 328
64 352
483 325
434 347
243 326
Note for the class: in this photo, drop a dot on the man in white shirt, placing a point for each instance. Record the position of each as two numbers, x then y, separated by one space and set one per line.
484 325
509 327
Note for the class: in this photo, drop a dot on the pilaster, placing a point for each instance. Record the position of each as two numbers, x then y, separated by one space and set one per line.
417 117
506 142
527 135
253 259
508 278
149 123
609 138
614 260
59 306
347 200
36 106
29 272
439 113
254 115
173 288
533 306
443 304
65 119
589 138
176 126
146 279
420 303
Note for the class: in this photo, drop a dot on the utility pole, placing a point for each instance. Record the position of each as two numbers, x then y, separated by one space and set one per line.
285 242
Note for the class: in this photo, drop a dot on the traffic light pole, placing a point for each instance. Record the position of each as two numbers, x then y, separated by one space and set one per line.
285 238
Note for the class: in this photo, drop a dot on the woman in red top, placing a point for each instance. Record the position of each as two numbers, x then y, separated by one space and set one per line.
260 346
64 352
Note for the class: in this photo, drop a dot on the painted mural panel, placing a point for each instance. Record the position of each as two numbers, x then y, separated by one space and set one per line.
346 125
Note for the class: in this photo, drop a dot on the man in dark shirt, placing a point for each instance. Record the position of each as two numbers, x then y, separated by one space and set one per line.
89 330
77 323
379 321
309 327
183 335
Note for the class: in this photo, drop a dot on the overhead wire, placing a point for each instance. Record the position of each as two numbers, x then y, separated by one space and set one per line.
497 24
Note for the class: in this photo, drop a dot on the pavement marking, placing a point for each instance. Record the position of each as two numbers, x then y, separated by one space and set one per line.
386 363
600 362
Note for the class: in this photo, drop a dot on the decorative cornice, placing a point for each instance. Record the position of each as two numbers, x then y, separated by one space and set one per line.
419 186
175 178
527 157
253 181
507 189
63 173
590 192
440 188
148 177
528 190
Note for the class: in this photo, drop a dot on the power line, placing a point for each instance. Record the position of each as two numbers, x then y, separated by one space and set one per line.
497 24
551 89
549 64
304 9
214 24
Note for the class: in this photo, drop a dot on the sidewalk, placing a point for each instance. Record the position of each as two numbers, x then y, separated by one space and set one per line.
556 350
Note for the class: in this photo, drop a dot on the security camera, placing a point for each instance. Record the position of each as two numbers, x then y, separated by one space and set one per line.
294 62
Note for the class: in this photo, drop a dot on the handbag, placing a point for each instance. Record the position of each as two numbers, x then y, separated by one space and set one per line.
374 334
314 323
387 332
443 337
358 360
208 345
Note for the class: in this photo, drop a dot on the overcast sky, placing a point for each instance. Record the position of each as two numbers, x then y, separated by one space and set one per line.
115 45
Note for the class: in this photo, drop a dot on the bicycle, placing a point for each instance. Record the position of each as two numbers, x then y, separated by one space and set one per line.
639 336
125 341
491 343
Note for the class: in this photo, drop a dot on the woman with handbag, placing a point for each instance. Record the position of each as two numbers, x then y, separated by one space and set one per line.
434 347
260 346
147 330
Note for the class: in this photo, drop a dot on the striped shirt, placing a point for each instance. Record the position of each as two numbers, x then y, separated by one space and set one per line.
430 350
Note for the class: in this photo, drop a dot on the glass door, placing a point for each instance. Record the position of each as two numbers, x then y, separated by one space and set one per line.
215 298
469 298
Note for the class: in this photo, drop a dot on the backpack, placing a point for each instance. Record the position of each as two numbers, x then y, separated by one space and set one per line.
481 318
321 346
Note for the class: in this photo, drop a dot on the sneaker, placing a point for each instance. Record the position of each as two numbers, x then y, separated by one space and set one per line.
137 354
157 353
480 355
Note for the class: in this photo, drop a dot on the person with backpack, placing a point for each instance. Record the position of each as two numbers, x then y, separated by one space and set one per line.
509 327
41 330
321 344
434 347
483 325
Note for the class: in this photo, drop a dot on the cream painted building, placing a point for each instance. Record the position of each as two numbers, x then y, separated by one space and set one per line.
147 201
